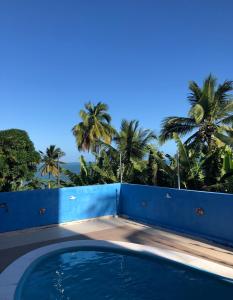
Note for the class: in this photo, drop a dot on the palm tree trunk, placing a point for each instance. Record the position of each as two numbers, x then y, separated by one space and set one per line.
120 168
58 174
178 169
49 182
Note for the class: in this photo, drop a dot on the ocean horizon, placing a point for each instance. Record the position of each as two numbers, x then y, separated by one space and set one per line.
71 166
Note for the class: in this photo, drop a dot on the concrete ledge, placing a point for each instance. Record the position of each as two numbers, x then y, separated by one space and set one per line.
39 228
10 277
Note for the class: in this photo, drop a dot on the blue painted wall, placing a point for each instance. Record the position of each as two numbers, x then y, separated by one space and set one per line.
176 209
169 208
61 205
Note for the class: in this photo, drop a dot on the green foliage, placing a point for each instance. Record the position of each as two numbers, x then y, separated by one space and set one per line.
132 143
152 168
86 176
35 184
95 126
204 161
190 166
18 159
51 163
210 114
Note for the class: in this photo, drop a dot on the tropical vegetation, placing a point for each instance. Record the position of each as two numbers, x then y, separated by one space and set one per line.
50 161
204 140
203 160
210 117
95 126
18 159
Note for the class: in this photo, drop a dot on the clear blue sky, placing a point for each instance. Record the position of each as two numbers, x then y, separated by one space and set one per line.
137 56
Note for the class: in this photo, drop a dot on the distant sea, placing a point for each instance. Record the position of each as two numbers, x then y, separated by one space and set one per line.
73 167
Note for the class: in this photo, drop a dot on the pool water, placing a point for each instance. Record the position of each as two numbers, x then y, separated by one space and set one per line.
86 275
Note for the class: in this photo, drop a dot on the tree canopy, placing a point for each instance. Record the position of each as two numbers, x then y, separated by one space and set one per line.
51 162
203 160
18 159
210 116
95 126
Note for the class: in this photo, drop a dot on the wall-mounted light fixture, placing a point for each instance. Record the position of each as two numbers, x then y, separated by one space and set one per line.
4 206
168 196
42 211
72 197
200 211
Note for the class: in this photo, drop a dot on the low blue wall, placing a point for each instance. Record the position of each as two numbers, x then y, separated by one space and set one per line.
177 210
164 207
19 210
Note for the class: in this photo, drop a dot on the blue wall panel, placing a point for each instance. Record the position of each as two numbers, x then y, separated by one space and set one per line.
170 208
61 205
176 209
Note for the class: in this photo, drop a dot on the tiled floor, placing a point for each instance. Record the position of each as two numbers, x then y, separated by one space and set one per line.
15 244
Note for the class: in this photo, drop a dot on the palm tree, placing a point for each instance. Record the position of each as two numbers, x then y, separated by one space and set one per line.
50 160
161 169
132 143
223 182
126 158
210 114
95 126
189 166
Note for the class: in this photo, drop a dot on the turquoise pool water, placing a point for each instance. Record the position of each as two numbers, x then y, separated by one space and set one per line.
86 275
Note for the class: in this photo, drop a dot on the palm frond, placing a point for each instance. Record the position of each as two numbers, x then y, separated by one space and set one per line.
197 112
225 139
95 125
222 93
195 94
179 125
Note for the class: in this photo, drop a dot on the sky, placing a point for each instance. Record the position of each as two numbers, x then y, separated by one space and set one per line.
136 56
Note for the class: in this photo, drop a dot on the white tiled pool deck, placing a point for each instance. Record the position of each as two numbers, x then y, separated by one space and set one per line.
54 232
108 228
109 232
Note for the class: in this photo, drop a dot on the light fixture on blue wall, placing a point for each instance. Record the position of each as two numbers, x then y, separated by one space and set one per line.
200 211
42 211
168 196
4 206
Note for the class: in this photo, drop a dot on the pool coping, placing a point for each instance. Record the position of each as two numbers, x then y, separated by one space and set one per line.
10 277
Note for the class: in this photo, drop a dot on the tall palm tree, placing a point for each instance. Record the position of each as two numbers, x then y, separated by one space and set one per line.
209 117
95 126
132 143
50 162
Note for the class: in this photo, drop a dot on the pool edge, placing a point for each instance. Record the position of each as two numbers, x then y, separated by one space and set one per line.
11 276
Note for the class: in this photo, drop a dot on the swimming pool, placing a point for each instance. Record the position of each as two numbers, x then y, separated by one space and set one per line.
98 273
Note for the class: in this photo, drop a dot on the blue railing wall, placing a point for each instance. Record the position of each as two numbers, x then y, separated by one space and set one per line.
204 214
207 215
19 210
